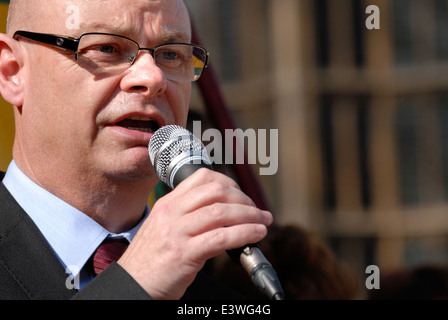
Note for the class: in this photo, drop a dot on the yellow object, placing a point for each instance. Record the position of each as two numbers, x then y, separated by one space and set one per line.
6 111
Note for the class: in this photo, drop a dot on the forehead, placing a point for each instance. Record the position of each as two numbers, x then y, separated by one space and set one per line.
164 19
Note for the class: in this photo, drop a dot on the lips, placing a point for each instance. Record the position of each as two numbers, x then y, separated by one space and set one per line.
141 124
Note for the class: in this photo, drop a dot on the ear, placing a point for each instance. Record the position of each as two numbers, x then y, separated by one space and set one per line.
11 75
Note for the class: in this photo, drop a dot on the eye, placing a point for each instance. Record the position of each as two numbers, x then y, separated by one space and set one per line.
170 55
106 48
105 53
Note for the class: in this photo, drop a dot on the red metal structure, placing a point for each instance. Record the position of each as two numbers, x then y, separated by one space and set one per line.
218 112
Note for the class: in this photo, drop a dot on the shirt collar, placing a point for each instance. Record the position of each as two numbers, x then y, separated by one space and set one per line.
73 235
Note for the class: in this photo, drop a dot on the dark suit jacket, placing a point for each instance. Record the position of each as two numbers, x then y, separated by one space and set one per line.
29 269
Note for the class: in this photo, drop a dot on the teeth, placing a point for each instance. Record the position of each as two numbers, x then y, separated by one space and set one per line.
140 129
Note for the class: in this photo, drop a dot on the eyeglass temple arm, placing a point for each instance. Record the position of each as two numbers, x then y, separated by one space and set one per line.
50 39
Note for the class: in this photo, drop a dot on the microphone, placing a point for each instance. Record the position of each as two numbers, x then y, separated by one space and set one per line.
176 154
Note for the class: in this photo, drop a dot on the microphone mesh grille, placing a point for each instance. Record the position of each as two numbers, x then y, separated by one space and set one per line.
181 140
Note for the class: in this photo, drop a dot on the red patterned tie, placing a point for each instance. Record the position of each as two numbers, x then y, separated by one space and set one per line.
109 251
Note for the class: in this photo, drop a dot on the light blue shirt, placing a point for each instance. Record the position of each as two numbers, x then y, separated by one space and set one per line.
72 235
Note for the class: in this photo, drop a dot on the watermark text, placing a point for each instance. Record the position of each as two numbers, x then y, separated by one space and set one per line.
258 144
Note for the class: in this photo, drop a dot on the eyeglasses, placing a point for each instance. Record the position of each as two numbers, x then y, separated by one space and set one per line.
107 54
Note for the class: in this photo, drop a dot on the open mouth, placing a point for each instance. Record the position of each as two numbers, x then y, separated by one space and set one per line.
139 124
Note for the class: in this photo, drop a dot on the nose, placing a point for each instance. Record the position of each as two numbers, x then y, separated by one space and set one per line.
144 76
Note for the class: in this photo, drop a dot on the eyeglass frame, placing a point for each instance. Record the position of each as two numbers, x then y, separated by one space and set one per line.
72 43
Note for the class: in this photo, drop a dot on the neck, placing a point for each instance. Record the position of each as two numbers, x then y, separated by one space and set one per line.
117 204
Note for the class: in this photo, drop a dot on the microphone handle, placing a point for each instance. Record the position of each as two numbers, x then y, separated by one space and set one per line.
250 256
186 170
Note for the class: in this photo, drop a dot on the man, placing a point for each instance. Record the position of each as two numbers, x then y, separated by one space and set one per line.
81 171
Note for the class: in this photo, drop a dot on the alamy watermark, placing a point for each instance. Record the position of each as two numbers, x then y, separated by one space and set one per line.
258 142
72 281
373 280
73 20
373 20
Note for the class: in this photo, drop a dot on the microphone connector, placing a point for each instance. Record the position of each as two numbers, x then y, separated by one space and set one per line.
261 272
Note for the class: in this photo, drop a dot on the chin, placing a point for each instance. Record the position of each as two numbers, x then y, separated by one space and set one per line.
128 169
134 173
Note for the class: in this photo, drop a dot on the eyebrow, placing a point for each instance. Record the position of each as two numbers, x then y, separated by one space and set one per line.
100 27
170 35
167 35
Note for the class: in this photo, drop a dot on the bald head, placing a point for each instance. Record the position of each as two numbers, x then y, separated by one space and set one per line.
35 15
21 14
39 16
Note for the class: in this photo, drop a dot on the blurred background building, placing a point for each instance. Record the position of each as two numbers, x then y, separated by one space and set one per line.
362 117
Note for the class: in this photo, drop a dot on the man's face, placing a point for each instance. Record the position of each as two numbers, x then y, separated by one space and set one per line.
73 119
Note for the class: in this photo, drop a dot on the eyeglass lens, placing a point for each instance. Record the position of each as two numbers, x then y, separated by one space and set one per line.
111 54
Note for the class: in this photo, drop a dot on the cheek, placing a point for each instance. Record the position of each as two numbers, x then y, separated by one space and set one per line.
62 112
179 100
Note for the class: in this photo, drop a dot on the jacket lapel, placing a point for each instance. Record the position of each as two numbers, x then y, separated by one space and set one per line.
26 254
